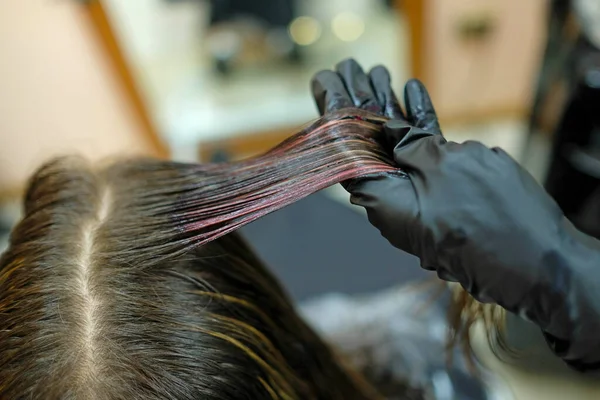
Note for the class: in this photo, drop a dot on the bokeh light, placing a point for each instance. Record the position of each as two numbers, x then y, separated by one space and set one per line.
348 26
305 30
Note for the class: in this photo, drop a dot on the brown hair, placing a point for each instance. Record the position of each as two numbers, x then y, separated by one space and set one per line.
123 282
464 312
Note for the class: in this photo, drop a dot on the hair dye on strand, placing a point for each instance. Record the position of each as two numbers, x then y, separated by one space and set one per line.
211 200
327 153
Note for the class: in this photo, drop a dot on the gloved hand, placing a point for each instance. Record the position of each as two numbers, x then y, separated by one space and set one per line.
474 216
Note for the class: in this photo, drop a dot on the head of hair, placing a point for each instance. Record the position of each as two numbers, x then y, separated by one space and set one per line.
126 280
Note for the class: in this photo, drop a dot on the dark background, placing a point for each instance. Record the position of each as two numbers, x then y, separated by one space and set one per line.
318 245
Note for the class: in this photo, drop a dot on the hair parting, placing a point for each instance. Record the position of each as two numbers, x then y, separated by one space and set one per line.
127 280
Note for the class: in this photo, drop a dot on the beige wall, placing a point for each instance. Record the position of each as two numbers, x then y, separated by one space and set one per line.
496 73
58 91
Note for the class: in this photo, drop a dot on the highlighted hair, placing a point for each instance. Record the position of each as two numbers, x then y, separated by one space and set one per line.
126 281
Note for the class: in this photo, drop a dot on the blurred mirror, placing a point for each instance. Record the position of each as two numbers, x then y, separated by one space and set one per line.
215 70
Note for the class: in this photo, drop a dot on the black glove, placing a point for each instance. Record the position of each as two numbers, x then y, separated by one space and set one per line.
474 216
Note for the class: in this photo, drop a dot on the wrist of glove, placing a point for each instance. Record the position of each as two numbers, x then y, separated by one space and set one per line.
474 216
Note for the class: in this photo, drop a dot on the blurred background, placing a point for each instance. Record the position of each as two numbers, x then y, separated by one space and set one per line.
215 80
218 80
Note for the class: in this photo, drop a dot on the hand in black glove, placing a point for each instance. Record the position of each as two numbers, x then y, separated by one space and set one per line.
474 216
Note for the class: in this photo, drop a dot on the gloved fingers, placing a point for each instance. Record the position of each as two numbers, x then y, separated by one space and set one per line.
421 143
392 206
419 108
399 133
419 151
381 83
329 92
396 131
358 86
